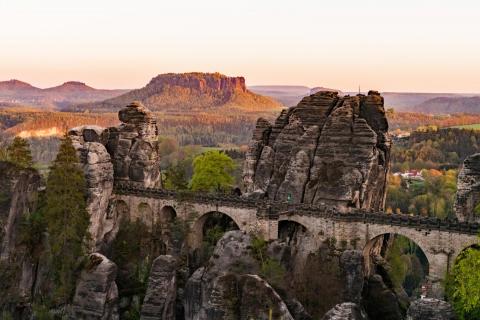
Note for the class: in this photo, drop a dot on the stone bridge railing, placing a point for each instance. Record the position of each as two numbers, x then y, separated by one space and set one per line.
273 209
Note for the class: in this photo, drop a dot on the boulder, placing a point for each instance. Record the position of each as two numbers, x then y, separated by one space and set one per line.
96 294
159 301
380 301
228 287
346 311
430 309
327 150
468 190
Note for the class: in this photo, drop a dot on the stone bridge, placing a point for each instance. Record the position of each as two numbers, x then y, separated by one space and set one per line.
441 241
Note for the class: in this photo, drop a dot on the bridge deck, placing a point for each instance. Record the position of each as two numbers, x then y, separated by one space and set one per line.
273 209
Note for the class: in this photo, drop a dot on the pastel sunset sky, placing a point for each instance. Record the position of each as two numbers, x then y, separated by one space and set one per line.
408 45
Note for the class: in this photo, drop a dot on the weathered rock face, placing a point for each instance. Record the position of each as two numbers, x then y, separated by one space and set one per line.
18 268
380 301
346 311
328 149
96 295
133 147
227 288
430 309
159 301
18 197
468 189
351 262
98 169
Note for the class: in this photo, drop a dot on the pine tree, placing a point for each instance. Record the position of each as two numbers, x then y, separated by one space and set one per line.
19 153
66 217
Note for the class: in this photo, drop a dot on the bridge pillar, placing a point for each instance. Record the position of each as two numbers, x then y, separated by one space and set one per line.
438 269
268 228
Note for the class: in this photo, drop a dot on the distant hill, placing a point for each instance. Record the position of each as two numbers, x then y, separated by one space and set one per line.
15 92
190 92
400 101
450 105
287 95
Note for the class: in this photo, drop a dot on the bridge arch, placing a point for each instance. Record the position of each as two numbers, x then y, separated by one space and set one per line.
290 227
408 257
208 220
167 214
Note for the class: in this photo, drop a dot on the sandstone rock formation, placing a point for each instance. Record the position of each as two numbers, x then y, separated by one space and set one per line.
468 190
18 197
328 149
193 91
228 286
18 268
133 147
98 168
96 294
346 311
128 152
430 309
159 301
351 262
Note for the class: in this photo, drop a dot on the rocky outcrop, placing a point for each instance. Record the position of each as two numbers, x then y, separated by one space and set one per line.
351 263
133 147
96 294
380 301
327 150
18 266
128 152
228 286
159 301
468 190
18 197
430 309
346 311
98 168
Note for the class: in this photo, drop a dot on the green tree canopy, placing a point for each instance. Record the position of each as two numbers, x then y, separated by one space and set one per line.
463 287
18 152
66 217
175 177
212 171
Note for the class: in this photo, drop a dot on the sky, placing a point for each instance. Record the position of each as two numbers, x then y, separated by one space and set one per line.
419 46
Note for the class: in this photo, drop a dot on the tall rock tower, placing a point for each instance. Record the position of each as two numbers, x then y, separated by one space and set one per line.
328 150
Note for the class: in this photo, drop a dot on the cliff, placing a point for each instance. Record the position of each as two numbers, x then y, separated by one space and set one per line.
328 149
468 190
190 92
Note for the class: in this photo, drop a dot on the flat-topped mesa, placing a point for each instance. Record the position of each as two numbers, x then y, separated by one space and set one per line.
134 146
328 149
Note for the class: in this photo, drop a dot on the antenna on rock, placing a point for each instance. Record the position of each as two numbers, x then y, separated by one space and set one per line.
358 89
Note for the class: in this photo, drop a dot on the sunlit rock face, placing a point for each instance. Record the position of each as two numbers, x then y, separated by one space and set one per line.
468 190
326 150
133 146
